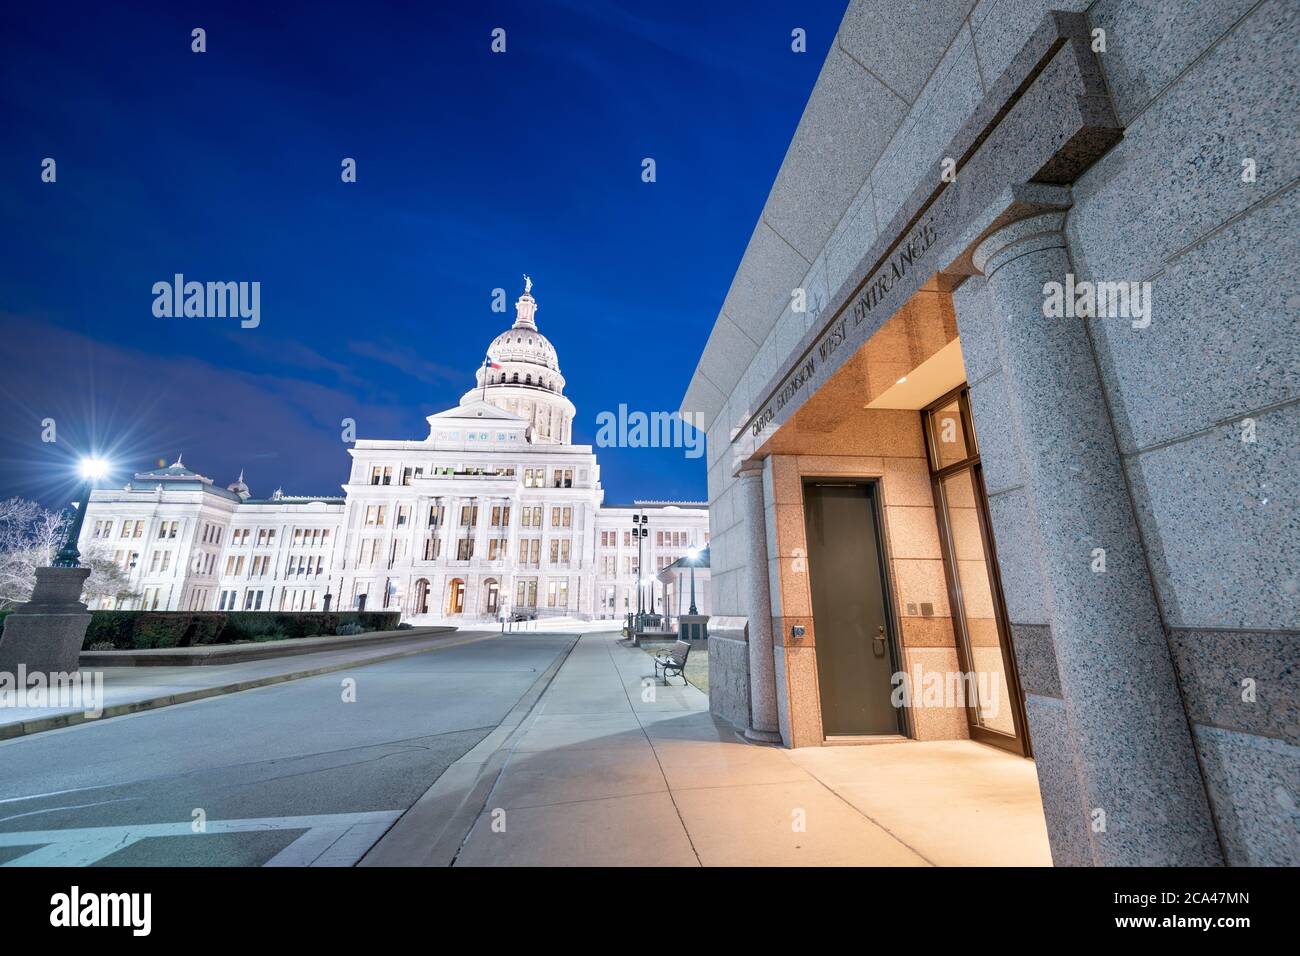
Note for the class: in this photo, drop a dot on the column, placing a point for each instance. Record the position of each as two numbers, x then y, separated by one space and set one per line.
510 567
1143 795
448 529
762 660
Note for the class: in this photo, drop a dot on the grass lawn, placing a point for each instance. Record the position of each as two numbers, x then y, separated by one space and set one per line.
697 665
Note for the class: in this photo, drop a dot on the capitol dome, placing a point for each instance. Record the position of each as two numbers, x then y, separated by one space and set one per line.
524 345
521 375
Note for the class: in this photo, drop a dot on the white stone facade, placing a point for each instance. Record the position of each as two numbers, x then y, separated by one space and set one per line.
494 513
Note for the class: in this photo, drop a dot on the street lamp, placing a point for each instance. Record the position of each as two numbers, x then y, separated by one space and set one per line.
640 532
92 469
693 558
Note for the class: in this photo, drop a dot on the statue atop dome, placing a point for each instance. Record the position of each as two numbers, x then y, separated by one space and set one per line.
526 307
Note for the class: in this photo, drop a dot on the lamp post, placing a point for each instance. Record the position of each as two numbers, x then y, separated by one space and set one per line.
46 633
640 531
69 555
693 556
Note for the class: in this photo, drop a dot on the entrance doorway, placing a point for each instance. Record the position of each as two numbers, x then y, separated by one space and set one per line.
456 596
855 648
422 596
994 705
493 597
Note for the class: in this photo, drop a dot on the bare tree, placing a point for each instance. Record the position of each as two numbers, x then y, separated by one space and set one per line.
30 537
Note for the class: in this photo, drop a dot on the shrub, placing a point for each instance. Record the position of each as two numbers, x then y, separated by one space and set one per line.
124 630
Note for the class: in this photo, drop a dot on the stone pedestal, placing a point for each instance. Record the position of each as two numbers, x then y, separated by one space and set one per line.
46 633
693 627
758 605
1144 801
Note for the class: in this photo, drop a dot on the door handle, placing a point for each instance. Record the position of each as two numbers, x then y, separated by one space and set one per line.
878 649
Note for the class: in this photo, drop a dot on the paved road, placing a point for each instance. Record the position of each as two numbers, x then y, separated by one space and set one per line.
287 775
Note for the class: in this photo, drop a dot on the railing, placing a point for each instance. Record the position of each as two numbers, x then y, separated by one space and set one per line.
658 624
533 618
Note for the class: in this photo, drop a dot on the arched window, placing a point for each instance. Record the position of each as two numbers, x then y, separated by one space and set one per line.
528 379
516 379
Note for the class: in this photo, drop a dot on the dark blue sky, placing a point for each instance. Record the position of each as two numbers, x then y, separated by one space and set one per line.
472 168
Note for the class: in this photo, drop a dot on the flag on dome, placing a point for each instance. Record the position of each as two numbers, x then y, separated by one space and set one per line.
490 363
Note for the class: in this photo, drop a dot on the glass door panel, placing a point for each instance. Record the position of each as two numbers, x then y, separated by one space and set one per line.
979 632
994 706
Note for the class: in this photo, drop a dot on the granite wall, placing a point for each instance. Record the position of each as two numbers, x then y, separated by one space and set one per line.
1204 399
1199 199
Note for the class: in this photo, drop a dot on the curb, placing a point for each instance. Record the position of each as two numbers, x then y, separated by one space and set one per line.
209 654
447 810
59 721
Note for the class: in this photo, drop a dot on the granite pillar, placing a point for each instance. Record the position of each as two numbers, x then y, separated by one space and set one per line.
1144 800
758 604
46 633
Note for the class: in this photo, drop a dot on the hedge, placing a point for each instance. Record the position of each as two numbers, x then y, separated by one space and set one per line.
125 630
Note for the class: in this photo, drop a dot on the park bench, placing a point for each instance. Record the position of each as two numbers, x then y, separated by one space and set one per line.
675 662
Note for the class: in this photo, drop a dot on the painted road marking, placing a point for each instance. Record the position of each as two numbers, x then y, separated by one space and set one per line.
331 839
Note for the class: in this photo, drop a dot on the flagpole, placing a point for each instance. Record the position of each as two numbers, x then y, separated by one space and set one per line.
483 394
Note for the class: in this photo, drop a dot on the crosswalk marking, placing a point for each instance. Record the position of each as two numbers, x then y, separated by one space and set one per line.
331 839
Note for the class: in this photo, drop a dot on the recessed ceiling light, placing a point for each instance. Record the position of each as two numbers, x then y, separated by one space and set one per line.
901 380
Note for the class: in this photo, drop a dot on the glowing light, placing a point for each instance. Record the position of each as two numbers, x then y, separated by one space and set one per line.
901 380
93 468
692 553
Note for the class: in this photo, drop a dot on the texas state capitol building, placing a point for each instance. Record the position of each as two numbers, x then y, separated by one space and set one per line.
495 512
927 471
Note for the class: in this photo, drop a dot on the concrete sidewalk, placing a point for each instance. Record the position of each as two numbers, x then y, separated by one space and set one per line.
128 690
610 769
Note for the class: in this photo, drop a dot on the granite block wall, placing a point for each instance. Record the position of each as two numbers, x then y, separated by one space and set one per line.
1199 198
1204 398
